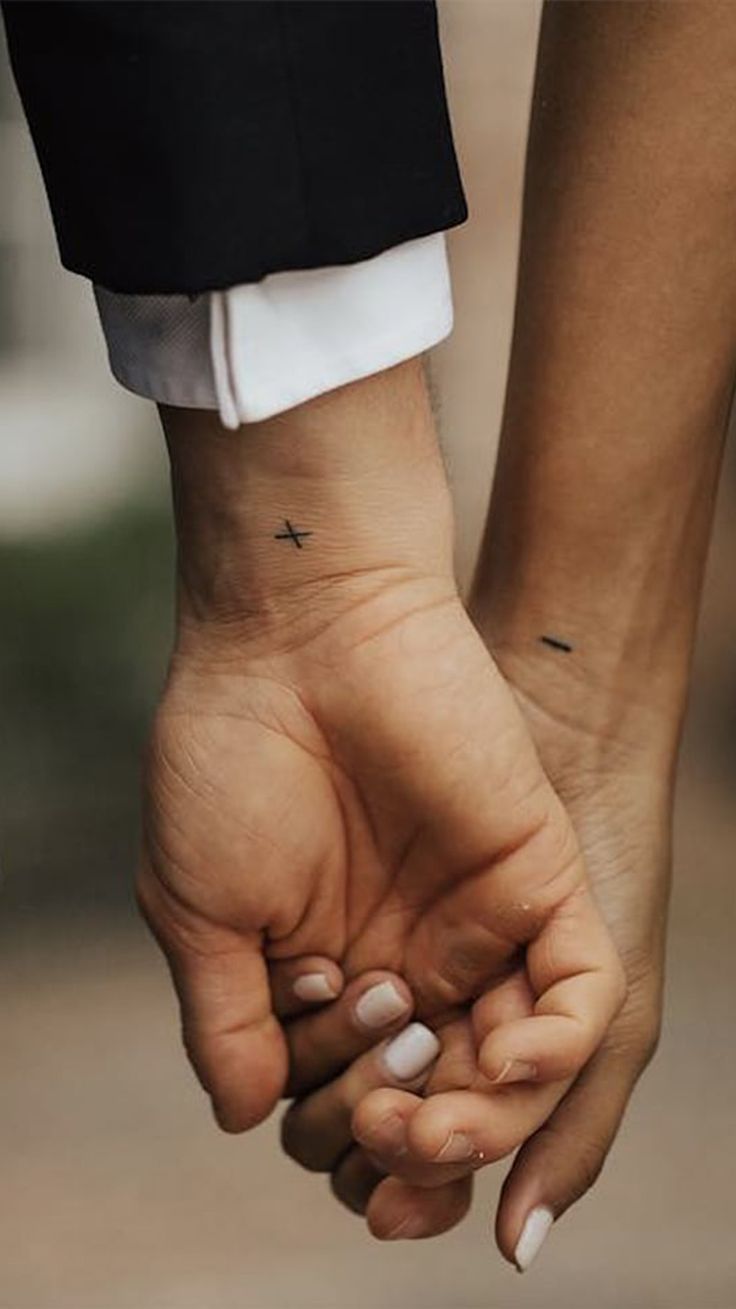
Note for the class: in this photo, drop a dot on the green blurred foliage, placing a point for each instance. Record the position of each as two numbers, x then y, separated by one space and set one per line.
85 623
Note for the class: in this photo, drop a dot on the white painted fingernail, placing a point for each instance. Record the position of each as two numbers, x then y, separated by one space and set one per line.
533 1235
381 1005
314 987
411 1052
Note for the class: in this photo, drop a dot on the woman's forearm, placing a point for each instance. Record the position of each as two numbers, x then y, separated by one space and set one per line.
622 365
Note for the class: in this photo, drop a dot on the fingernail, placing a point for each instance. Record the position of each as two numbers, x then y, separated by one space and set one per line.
515 1070
411 1052
314 987
381 1005
457 1147
533 1235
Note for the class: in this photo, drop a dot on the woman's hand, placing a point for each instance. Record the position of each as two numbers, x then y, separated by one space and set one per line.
620 804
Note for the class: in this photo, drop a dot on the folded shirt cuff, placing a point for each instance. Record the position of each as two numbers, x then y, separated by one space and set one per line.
255 350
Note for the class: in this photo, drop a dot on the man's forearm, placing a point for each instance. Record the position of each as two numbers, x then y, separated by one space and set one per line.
622 365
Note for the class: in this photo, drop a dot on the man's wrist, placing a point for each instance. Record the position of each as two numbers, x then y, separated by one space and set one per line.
284 524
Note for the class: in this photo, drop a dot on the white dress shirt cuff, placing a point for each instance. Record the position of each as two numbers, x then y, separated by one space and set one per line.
258 349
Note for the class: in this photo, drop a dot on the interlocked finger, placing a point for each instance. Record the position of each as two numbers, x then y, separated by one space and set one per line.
316 1130
301 985
355 1179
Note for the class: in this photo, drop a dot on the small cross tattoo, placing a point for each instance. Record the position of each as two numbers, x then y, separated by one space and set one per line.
291 534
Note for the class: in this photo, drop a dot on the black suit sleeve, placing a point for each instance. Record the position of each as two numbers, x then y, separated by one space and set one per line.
192 146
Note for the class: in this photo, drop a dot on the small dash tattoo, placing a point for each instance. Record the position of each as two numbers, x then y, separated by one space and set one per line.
556 643
291 534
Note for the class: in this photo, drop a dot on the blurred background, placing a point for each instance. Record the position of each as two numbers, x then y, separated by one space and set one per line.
116 1190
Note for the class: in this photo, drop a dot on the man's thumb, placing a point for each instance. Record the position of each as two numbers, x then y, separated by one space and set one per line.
234 1041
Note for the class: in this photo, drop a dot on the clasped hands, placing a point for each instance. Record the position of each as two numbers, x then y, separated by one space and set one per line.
360 812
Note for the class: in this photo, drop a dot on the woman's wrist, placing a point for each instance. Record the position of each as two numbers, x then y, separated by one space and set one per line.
604 706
